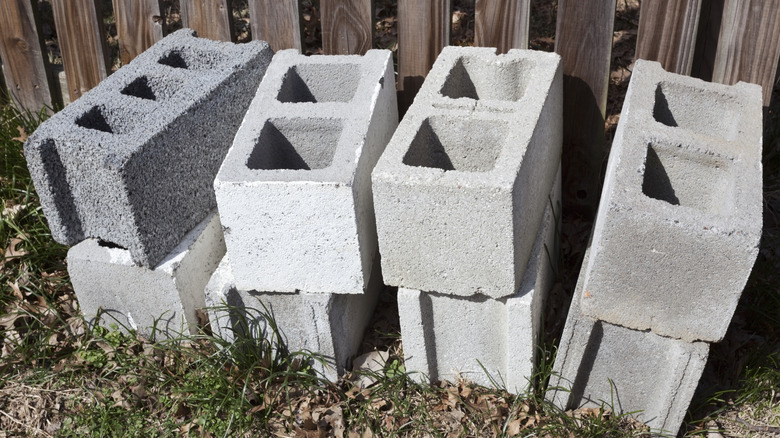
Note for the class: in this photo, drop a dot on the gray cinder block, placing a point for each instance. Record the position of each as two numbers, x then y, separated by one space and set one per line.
482 338
132 162
680 217
461 189
329 324
294 192
109 283
630 370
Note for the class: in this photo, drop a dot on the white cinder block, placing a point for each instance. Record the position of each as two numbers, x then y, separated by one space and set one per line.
107 282
294 192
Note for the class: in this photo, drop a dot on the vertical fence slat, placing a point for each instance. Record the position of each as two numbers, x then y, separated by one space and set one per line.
749 44
667 33
278 22
423 31
139 24
26 72
347 26
81 37
583 38
502 24
707 39
212 19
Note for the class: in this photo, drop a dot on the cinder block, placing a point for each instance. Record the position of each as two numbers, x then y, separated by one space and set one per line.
329 324
132 162
479 338
109 283
461 189
680 217
630 370
294 192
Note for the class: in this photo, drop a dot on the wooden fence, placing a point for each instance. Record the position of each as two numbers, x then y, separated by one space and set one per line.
720 40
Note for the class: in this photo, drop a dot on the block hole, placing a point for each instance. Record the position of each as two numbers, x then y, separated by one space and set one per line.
296 144
454 143
140 88
94 119
475 78
689 108
320 83
686 178
174 59
191 59
152 87
106 244
119 120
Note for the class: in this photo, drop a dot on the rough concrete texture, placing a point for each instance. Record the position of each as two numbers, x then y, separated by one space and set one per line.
108 283
461 189
629 370
294 192
329 324
477 337
133 160
680 217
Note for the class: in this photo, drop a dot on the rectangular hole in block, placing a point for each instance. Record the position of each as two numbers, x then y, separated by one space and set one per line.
152 87
454 143
704 112
320 83
110 120
474 78
191 59
296 144
686 178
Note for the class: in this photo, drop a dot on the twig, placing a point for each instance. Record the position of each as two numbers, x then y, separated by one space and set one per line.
754 428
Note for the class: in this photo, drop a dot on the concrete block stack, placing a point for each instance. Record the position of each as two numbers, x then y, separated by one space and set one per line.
294 196
128 170
463 198
674 242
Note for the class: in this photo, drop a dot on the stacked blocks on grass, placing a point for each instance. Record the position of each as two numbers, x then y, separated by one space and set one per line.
111 287
294 192
331 325
461 190
680 219
674 242
132 162
480 338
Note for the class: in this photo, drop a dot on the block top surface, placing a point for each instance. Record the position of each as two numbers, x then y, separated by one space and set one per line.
473 119
142 98
688 152
308 120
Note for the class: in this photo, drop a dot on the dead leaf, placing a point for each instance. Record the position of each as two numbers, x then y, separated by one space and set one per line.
22 135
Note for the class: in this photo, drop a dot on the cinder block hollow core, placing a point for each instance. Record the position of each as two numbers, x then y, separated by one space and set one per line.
479 79
296 144
188 58
113 120
319 83
151 87
456 143
686 107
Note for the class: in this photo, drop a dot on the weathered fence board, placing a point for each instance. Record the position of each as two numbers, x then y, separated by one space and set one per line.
748 45
423 31
502 24
277 22
82 43
347 26
583 38
26 71
139 24
667 33
212 19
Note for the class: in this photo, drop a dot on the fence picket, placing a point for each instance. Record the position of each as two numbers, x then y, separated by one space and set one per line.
502 24
347 26
25 68
667 33
82 43
278 22
748 45
583 38
139 24
211 19
423 31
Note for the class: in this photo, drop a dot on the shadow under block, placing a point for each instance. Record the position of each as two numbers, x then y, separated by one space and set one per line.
331 325
294 192
107 282
462 187
132 162
479 338
680 217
